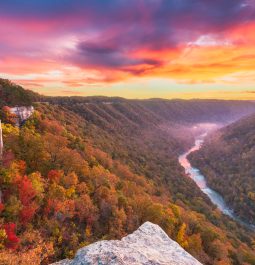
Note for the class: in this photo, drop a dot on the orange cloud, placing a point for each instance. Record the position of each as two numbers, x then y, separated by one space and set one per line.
90 52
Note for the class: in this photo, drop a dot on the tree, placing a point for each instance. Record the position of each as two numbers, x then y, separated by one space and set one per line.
27 213
7 116
70 180
12 240
54 145
117 223
32 150
195 244
1 207
66 208
38 183
26 191
12 208
3 237
52 127
86 210
17 168
55 175
180 238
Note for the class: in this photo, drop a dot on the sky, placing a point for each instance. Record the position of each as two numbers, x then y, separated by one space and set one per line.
130 48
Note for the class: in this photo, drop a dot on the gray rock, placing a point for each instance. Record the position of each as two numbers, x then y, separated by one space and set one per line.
22 113
149 245
63 262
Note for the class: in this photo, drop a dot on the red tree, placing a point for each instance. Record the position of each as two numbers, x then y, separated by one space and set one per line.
12 239
55 175
27 213
26 191
1 207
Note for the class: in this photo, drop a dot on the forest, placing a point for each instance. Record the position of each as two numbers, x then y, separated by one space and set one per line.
77 173
12 94
227 159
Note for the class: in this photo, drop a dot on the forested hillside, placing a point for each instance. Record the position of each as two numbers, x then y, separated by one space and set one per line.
12 94
77 173
176 110
151 133
228 161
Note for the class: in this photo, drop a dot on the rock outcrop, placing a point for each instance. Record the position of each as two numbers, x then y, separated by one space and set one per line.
22 113
149 245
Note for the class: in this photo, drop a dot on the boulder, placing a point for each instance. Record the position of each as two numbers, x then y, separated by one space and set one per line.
148 245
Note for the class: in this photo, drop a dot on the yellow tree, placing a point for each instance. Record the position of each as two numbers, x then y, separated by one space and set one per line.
181 238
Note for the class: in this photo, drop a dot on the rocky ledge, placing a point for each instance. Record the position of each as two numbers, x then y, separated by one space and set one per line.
148 245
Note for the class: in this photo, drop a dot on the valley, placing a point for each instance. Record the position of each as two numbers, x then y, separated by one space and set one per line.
227 159
127 132
80 170
201 182
200 179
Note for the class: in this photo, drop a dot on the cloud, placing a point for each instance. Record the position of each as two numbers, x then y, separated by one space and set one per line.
71 92
114 40
249 92
109 55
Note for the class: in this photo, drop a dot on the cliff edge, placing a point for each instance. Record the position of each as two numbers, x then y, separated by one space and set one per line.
148 245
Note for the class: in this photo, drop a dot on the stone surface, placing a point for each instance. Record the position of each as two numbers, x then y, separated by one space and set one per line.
22 113
149 245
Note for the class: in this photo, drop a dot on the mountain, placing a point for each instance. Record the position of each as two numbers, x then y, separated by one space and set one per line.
228 160
147 245
161 110
78 172
149 135
12 94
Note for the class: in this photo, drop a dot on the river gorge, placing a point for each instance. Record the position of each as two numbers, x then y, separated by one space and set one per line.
200 180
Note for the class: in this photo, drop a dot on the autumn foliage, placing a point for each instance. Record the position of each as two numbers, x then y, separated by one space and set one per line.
61 191
12 239
26 190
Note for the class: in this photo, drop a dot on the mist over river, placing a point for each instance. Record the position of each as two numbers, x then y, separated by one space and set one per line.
200 180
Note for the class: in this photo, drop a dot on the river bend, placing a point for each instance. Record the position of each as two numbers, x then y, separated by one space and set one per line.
200 180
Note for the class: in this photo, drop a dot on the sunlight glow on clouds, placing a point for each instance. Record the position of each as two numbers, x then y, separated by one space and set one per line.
210 40
106 47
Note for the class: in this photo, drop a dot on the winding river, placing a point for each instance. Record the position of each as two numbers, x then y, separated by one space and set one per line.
200 180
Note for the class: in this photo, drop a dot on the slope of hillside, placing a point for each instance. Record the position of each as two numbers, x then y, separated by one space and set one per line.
68 181
149 135
61 193
228 160
176 110
12 94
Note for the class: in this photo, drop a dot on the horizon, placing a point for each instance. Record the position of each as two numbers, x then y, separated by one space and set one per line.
130 49
155 98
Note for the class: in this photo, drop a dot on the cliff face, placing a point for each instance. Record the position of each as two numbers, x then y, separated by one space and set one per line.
22 113
149 245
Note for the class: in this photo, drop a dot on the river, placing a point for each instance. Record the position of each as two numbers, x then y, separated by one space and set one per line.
200 180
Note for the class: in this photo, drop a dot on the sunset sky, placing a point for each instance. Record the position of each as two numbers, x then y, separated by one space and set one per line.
130 48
